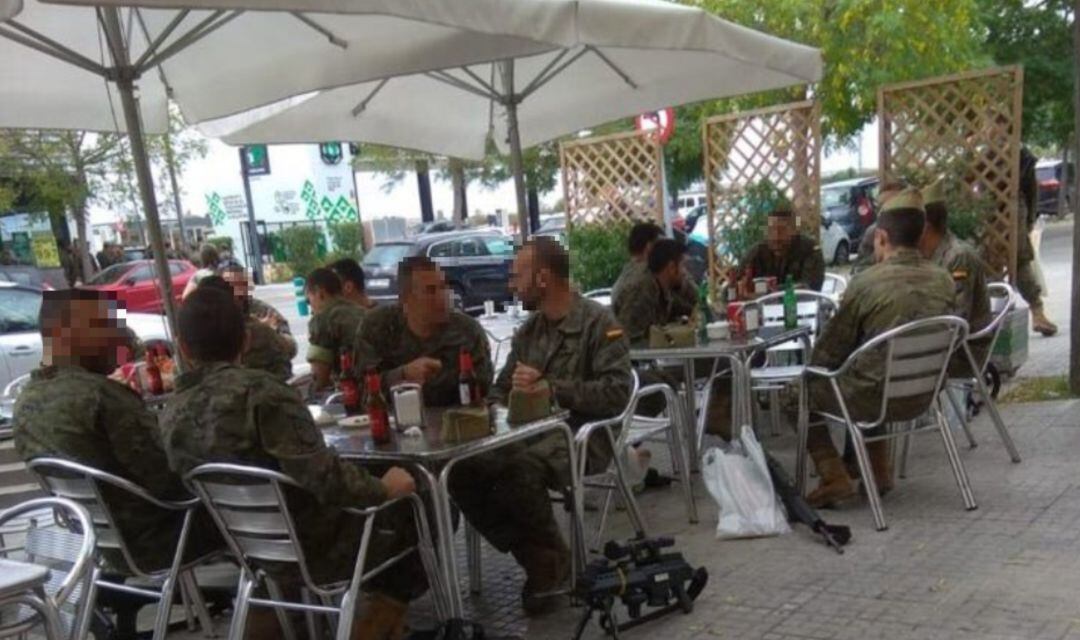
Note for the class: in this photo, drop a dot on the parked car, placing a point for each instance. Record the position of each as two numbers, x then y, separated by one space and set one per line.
476 264
136 285
852 204
20 337
1050 175
32 276
835 244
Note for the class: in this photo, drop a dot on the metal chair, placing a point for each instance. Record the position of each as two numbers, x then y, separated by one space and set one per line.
15 387
635 429
915 360
603 296
83 485
63 606
1004 297
834 286
249 507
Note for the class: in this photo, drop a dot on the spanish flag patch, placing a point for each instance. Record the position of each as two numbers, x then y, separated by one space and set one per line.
960 274
614 334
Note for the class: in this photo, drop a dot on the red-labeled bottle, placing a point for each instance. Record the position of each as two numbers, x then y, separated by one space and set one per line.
349 386
377 411
468 385
153 375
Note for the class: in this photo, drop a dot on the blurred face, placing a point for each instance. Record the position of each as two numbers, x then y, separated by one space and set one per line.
671 275
779 233
89 335
525 283
238 280
428 298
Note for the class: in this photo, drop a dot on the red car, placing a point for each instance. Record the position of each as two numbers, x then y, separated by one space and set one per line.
135 284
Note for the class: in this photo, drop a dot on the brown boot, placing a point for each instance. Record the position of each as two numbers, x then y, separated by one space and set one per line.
382 619
881 463
1040 323
262 623
547 568
835 485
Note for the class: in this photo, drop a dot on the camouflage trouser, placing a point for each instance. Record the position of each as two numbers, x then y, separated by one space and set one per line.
504 494
1026 281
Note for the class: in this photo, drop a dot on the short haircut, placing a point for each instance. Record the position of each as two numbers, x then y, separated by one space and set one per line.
641 234
233 268
325 279
211 325
349 270
904 227
549 254
209 256
937 216
664 252
215 282
409 266
56 305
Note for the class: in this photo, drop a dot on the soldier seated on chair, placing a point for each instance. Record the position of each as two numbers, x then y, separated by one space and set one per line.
573 349
222 412
333 325
901 287
786 253
71 409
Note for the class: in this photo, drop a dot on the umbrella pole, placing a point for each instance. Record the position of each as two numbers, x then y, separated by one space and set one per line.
517 164
125 85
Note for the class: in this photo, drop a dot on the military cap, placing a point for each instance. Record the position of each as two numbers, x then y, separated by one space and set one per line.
935 192
909 198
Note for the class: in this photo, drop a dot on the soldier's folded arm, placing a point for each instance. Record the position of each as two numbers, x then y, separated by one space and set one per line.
289 435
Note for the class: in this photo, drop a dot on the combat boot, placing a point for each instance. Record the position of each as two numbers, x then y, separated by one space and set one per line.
547 569
382 619
1041 324
881 463
836 485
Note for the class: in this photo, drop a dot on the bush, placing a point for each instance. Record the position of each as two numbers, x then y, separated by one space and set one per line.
597 253
347 239
302 248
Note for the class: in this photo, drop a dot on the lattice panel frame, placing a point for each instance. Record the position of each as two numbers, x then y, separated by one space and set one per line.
781 144
613 178
965 126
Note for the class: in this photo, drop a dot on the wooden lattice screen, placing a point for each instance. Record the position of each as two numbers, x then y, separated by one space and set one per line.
780 145
611 178
964 127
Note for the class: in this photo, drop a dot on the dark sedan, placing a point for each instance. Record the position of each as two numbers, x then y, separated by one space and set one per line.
476 264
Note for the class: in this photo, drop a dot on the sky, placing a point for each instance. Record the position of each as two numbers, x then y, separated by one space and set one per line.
219 171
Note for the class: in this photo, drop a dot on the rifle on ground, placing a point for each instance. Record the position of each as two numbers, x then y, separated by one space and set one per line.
835 535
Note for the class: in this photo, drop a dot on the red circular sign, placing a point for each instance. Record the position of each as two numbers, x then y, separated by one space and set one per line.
660 123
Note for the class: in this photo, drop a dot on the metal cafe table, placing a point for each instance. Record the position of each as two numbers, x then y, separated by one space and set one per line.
432 459
737 352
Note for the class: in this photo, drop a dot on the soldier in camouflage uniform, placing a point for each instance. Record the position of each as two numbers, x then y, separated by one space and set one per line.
1026 280
420 339
271 345
647 298
785 252
643 236
900 288
968 271
71 410
225 413
353 285
333 325
574 348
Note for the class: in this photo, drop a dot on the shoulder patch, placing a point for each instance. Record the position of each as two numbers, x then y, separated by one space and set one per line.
614 334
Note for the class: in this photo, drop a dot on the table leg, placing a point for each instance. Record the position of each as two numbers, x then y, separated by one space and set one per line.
803 428
444 543
696 424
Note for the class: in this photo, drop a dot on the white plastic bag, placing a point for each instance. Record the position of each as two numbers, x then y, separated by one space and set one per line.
739 481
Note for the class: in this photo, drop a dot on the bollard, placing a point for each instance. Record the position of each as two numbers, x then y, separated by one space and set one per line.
301 297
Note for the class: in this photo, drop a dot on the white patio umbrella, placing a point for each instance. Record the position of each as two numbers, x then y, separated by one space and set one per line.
97 66
625 57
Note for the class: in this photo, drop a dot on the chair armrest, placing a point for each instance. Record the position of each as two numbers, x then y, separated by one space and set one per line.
382 506
822 372
586 430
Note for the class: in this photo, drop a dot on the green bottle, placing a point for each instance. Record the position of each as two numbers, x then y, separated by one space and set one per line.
791 305
704 313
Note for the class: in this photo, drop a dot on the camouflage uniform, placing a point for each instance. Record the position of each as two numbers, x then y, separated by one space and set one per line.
332 331
272 347
803 262
385 342
641 303
71 413
585 359
224 413
969 274
683 300
1027 282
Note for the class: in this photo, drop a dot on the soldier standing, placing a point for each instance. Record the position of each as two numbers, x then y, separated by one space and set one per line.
786 252
271 345
333 327
900 288
573 348
420 339
1027 282
225 413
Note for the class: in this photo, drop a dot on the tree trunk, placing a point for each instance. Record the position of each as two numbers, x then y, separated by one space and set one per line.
1074 319
460 186
170 164
532 198
83 246
423 185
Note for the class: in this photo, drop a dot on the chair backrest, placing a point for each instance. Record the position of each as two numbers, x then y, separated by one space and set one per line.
13 388
249 507
57 534
834 285
83 485
813 309
916 359
1002 302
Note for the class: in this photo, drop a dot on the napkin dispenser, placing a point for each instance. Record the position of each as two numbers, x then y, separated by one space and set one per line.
408 405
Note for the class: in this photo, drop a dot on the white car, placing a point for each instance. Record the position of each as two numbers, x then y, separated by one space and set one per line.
20 337
835 244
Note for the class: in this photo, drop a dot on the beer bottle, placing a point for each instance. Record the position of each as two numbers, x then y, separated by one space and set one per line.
468 387
349 386
377 412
